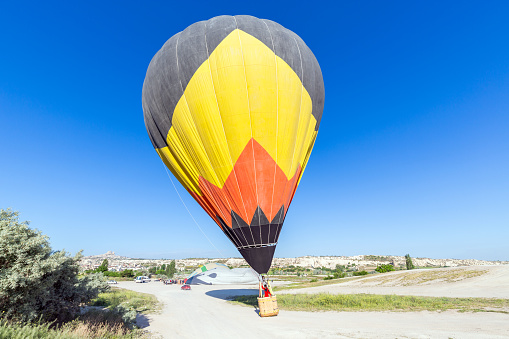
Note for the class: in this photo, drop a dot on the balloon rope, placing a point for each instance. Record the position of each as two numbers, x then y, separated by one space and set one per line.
183 203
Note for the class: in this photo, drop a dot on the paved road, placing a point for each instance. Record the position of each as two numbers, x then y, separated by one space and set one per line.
203 313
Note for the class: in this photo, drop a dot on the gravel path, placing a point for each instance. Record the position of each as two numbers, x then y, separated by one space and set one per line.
204 313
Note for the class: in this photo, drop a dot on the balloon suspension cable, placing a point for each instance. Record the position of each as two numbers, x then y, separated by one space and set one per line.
183 203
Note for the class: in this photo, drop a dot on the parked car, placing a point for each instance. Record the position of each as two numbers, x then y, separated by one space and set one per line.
112 282
142 279
185 287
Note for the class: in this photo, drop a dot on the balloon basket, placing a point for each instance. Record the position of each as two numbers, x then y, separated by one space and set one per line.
268 306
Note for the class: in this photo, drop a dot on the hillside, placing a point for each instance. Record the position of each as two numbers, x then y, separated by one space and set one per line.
117 262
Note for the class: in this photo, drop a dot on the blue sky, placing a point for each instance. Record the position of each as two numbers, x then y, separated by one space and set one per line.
412 154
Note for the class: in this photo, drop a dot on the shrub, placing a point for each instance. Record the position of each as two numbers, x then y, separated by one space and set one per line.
36 282
110 274
360 273
340 268
127 314
384 268
336 275
339 275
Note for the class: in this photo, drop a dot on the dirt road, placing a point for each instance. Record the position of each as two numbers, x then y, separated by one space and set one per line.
204 312
492 282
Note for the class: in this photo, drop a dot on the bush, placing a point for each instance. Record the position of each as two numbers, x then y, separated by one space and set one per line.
109 318
336 275
121 274
384 268
110 274
340 268
36 282
360 273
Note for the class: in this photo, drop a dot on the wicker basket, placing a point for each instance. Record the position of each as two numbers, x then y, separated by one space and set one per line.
268 306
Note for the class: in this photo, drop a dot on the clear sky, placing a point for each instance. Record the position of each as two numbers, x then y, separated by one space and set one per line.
412 155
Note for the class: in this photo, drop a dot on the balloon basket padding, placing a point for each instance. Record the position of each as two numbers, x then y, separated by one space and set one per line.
268 306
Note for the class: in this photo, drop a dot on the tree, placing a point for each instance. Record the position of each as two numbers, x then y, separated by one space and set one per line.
409 263
170 269
103 267
37 282
127 273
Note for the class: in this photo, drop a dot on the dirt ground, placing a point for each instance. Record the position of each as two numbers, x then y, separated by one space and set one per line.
204 312
492 282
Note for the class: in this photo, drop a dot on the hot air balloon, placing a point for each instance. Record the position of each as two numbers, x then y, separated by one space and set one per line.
232 106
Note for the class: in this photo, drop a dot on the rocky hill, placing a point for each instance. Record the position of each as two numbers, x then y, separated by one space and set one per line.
117 262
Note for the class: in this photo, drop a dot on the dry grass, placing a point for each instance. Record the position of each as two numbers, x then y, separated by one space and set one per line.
321 282
89 327
95 323
424 277
292 278
95 328
141 302
408 278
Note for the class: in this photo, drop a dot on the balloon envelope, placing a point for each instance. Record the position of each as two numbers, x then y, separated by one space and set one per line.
232 106
207 267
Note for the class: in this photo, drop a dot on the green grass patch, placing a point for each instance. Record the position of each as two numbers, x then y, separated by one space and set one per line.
140 302
374 302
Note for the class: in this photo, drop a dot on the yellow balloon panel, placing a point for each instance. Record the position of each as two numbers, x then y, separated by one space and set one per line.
242 91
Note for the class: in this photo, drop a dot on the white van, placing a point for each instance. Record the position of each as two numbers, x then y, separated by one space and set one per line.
142 279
